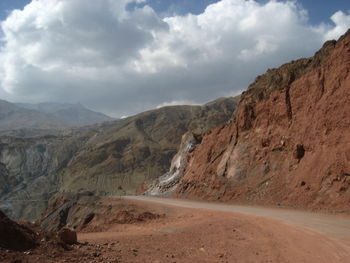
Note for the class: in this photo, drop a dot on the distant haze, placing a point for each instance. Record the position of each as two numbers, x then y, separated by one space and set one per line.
121 57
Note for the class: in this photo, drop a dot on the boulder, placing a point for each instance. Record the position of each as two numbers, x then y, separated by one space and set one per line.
68 236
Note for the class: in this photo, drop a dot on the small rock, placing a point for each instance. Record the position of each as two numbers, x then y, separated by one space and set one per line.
135 252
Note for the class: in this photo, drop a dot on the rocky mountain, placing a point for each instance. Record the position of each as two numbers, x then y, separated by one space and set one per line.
69 114
116 157
289 141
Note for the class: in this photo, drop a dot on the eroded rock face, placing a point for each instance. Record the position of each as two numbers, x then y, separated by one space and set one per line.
29 169
289 141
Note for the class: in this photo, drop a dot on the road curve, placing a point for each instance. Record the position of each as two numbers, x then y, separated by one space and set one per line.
335 227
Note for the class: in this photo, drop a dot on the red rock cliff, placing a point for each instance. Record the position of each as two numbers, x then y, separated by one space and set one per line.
289 142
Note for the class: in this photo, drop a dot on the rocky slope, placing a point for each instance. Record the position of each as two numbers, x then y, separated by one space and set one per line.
289 143
115 157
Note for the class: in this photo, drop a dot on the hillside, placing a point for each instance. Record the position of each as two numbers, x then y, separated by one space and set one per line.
289 141
125 158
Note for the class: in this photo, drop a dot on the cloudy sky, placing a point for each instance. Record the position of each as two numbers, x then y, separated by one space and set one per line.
121 57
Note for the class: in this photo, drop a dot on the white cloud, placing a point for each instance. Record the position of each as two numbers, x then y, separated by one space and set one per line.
122 62
342 24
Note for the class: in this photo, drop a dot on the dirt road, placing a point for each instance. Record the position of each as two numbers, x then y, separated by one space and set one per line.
333 226
208 232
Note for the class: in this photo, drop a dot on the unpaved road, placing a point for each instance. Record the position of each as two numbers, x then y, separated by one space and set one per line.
333 226
332 229
209 232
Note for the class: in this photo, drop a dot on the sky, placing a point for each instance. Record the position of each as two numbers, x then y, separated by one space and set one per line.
122 57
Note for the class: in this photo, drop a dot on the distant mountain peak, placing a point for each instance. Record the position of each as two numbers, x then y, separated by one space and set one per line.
47 115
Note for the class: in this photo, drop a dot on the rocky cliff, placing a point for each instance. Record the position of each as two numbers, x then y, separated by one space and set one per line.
289 142
115 157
